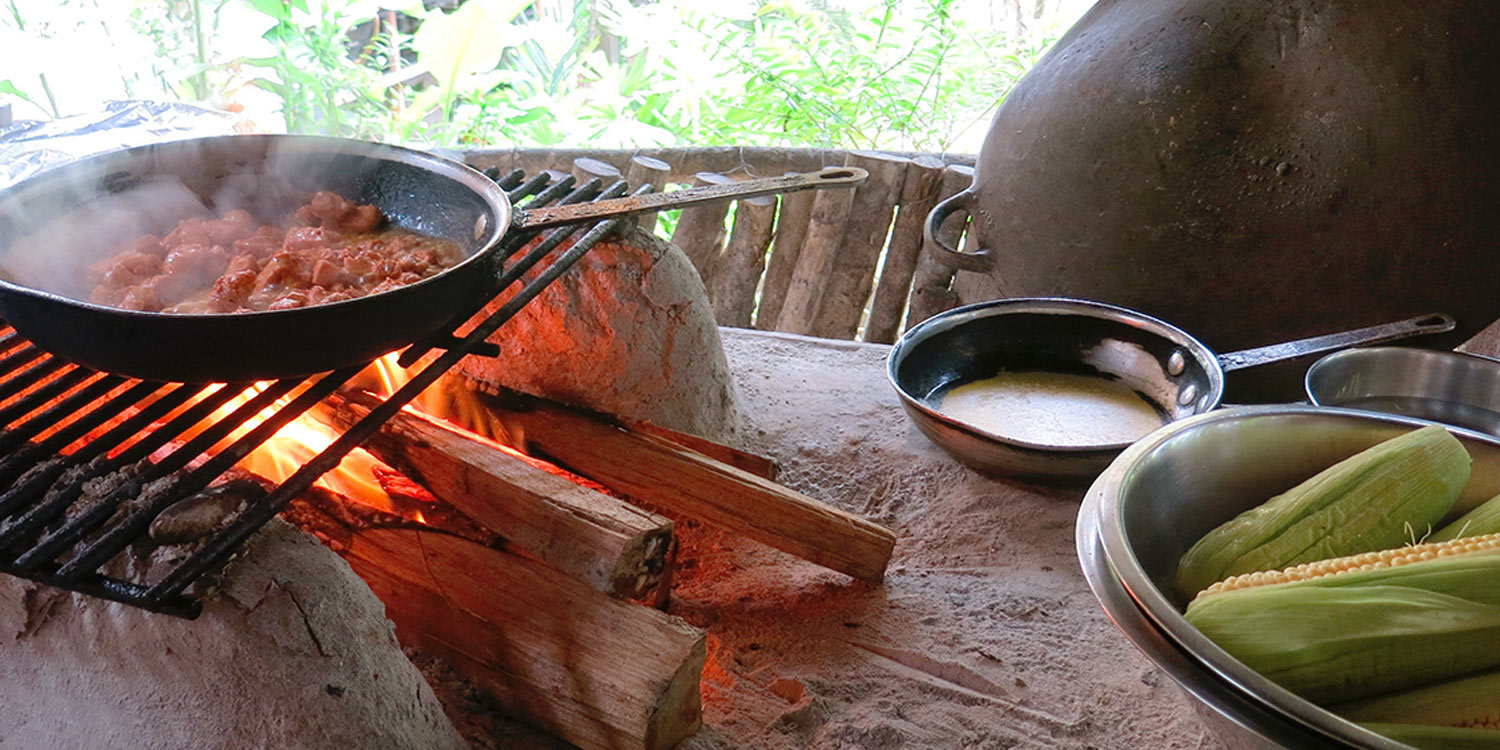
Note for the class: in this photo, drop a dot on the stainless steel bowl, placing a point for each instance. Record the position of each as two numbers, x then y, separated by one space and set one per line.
1449 387
1169 489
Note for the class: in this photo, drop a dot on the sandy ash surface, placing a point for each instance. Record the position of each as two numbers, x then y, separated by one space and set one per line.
984 633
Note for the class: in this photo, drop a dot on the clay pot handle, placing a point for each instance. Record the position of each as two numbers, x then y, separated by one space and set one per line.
980 260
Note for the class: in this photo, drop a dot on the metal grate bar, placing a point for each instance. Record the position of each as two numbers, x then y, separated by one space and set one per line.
562 193
508 181
114 540
21 460
42 396
58 412
34 486
112 589
529 187
99 415
26 353
55 542
30 377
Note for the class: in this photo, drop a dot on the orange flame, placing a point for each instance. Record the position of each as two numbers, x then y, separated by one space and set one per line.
296 443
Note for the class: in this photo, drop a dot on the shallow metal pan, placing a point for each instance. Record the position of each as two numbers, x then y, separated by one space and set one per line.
1171 370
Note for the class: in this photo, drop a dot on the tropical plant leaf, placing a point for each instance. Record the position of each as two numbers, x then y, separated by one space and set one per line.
467 41
6 87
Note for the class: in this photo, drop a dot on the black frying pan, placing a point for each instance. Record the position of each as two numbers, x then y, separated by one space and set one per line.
55 224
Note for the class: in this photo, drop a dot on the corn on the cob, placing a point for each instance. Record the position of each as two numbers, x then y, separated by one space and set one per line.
1484 519
1471 702
1425 737
1384 558
1368 630
1376 499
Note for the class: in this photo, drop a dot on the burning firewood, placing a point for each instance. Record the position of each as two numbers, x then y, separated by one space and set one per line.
647 465
598 671
612 545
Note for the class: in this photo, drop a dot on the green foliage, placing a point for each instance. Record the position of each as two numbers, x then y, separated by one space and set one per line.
325 87
6 87
890 74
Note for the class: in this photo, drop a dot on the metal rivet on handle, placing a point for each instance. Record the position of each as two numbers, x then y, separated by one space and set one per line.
1177 363
1187 394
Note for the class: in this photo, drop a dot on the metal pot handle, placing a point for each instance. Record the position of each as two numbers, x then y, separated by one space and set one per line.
980 260
1418 326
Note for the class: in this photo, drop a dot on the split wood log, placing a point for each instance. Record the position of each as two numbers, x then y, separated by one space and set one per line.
669 476
645 170
791 232
853 271
737 270
931 287
919 193
611 545
754 463
600 672
700 230
825 231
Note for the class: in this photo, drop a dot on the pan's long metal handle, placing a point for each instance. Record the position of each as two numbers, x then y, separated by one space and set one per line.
1420 325
552 216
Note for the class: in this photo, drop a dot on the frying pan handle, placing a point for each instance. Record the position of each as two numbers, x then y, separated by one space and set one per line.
1418 326
551 216
981 260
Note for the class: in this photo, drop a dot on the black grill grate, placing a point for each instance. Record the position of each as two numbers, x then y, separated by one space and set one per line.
48 451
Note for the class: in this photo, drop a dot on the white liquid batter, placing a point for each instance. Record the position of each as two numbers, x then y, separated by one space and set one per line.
1048 408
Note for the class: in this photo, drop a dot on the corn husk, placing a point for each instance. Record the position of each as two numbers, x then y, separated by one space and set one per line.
1471 702
1389 494
1426 737
1482 520
1342 637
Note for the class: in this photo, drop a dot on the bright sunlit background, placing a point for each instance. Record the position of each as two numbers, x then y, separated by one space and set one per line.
894 74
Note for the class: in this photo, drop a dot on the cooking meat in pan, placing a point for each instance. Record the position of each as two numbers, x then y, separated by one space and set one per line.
330 250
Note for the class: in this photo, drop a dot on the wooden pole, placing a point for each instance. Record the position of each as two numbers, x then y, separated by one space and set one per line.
932 282
919 193
700 230
585 169
676 479
611 545
825 231
737 271
599 672
791 232
853 272
645 170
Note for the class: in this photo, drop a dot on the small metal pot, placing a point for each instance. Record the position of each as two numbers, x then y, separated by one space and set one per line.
1167 367
1453 388
1166 491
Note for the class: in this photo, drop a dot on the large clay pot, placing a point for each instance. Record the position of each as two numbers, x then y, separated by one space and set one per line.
1252 170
